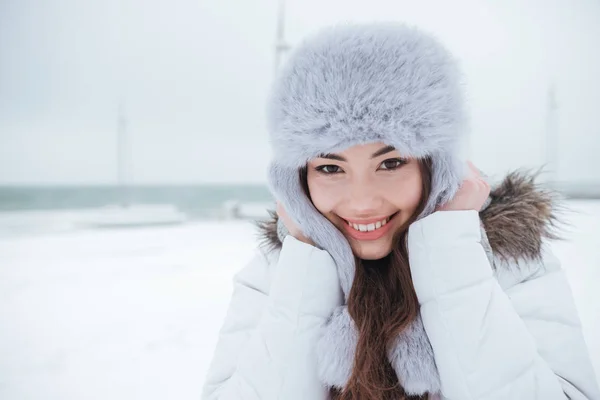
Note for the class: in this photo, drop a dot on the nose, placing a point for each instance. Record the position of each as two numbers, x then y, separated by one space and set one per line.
365 199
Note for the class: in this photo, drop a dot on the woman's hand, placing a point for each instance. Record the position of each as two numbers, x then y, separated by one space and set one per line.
471 195
291 226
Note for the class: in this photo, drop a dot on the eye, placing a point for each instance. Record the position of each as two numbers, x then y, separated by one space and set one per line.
392 164
329 169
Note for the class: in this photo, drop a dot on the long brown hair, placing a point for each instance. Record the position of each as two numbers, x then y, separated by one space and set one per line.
382 302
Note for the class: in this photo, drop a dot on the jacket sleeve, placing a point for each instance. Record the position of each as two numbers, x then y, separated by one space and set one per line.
266 347
523 343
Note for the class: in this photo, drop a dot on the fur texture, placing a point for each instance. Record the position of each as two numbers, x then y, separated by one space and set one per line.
526 210
412 359
517 218
336 349
358 84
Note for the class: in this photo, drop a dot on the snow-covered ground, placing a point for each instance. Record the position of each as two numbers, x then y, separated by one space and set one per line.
134 313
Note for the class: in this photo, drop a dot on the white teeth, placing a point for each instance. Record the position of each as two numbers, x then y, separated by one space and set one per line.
369 227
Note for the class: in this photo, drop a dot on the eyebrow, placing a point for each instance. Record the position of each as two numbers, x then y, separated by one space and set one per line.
378 153
382 151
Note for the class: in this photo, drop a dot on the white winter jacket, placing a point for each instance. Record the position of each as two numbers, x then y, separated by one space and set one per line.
497 333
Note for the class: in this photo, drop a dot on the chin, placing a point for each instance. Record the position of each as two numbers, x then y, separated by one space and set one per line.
371 250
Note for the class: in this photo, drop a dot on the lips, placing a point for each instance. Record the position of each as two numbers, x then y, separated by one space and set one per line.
369 229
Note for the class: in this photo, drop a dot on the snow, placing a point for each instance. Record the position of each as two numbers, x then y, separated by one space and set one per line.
134 313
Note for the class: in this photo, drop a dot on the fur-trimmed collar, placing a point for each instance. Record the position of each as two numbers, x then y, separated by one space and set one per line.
519 216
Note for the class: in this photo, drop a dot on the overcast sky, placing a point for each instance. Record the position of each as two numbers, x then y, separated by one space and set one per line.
193 76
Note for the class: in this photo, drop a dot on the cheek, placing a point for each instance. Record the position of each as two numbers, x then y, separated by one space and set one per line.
323 194
406 193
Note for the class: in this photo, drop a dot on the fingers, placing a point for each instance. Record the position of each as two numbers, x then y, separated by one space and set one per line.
476 183
283 214
476 173
280 210
473 170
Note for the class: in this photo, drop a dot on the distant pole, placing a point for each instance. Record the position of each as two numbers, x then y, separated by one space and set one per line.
122 140
281 46
552 135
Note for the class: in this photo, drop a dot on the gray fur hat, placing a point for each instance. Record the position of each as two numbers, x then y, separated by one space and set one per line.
358 84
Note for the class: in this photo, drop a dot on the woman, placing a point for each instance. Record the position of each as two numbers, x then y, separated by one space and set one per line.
391 272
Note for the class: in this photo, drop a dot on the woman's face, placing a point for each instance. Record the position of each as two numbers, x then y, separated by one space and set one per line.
369 192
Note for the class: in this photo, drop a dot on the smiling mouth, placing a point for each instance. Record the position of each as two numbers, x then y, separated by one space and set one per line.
371 227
